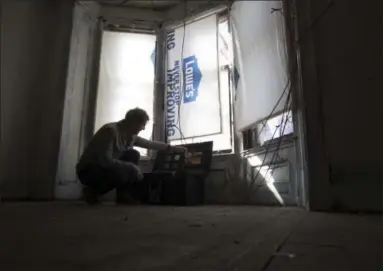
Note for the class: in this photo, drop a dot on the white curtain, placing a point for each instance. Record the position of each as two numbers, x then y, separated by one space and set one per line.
126 78
192 80
260 58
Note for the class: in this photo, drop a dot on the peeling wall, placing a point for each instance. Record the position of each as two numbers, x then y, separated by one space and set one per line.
34 57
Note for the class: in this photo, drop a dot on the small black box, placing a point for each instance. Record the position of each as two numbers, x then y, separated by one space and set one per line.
180 188
176 179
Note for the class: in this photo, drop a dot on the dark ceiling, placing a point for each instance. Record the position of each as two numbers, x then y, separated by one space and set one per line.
144 4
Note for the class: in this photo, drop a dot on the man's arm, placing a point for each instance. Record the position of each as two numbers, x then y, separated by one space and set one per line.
156 145
152 145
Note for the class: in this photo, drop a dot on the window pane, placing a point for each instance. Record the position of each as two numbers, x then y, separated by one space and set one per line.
223 140
192 86
126 78
276 127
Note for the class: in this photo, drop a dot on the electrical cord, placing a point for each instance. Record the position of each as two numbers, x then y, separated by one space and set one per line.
182 74
312 24
286 106
315 21
282 126
280 97
276 153
330 4
272 111
178 129
275 107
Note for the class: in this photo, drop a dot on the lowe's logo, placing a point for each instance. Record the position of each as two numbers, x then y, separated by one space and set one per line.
192 78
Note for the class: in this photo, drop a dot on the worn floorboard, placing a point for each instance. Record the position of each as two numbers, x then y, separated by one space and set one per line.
73 236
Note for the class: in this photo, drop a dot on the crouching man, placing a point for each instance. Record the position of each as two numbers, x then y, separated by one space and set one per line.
110 162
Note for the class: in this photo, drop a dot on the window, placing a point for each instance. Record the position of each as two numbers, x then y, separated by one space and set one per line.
208 117
126 78
269 130
275 127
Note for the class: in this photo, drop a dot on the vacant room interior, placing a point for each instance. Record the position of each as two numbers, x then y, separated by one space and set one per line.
286 91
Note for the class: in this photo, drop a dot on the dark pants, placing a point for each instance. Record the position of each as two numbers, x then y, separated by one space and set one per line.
102 180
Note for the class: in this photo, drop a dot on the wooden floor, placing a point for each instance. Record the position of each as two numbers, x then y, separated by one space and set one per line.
73 236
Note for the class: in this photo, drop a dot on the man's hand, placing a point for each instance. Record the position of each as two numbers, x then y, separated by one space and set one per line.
138 173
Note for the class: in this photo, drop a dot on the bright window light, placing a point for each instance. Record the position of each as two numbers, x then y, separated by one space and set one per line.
266 173
126 78
221 141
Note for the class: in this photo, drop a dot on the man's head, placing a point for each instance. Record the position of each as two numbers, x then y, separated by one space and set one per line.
135 120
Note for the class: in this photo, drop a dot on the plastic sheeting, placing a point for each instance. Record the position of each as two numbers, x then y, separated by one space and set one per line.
192 80
126 78
260 59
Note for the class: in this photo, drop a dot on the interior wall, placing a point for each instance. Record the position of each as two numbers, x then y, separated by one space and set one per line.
80 85
342 83
34 57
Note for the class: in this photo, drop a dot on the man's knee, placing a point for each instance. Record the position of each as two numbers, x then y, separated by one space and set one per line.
132 156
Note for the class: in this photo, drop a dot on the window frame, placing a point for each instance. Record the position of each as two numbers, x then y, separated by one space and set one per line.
251 142
222 13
